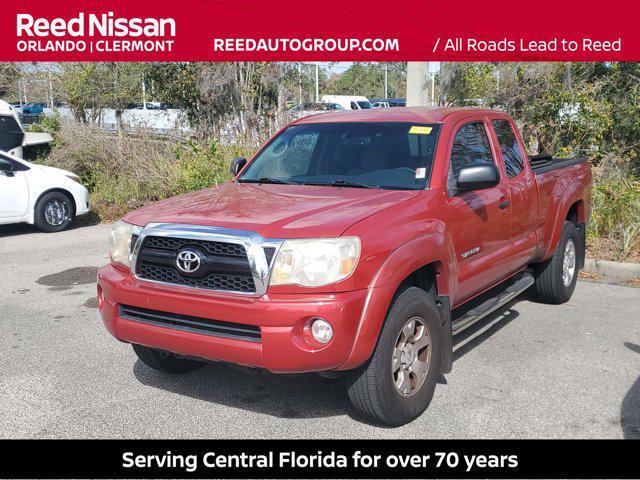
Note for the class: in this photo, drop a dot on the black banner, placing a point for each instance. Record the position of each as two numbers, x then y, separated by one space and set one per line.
320 459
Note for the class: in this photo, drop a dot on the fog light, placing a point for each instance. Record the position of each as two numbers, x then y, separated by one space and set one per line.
321 330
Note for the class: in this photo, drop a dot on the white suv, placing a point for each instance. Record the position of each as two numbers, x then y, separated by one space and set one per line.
46 197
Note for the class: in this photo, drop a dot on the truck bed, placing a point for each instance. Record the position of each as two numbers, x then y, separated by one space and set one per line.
547 163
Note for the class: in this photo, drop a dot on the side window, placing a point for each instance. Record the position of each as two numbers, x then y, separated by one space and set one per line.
470 145
354 106
511 152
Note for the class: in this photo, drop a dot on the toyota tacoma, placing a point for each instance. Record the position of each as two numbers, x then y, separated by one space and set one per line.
354 243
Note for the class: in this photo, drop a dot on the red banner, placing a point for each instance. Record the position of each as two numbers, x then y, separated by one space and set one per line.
286 30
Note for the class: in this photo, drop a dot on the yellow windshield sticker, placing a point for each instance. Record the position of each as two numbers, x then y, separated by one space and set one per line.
418 130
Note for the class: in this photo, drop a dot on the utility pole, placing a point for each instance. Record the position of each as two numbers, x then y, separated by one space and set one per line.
386 68
433 88
417 86
300 83
50 90
317 86
144 93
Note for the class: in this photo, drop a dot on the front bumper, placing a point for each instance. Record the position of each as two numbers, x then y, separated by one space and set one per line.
281 318
81 198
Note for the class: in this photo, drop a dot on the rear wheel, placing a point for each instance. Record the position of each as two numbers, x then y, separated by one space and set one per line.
53 212
165 362
397 383
556 278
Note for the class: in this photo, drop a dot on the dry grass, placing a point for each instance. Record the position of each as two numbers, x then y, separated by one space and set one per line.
589 276
126 171
633 282
614 228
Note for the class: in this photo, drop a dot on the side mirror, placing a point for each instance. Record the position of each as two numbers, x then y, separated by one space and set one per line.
6 168
236 165
478 176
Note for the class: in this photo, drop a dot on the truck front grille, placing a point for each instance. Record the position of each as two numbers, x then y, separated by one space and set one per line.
214 281
187 323
224 266
214 248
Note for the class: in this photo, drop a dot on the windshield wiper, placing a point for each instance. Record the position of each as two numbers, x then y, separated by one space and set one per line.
341 183
269 180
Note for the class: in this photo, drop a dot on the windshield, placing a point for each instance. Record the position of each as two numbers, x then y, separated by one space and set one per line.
364 104
396 156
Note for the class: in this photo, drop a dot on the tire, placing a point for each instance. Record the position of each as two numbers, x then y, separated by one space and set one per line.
165 362
372 388
53 212
551 285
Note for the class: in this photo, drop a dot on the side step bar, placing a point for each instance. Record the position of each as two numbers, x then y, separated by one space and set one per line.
467 315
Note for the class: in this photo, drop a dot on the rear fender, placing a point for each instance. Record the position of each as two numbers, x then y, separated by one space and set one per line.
568 194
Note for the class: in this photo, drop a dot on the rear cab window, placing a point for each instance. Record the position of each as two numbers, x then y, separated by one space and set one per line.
511 151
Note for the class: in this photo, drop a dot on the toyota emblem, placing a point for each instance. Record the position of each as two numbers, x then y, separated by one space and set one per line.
188 261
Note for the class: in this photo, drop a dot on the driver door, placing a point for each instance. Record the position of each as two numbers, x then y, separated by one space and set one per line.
14 191
480 221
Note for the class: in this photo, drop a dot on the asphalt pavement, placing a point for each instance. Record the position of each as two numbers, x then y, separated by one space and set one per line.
528 371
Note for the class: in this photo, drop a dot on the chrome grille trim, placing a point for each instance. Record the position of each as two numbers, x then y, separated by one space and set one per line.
253 242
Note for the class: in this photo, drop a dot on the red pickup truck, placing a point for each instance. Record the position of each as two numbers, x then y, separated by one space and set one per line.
355 242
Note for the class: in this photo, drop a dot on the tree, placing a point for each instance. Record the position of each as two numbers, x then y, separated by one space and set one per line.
562 108
367 78
83 87
9 78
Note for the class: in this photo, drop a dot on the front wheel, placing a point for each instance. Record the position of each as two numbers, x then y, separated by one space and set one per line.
397 383
556 278
53 212
165 362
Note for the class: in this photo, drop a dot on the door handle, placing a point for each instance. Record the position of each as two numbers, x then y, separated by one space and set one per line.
504 204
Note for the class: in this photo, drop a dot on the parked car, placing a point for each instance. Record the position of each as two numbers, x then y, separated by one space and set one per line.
353 243
46 197
393 102
348 102
317 107
33 108
380 105
157 106
16 107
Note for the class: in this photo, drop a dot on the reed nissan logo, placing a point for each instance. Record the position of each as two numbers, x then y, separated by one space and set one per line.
93 32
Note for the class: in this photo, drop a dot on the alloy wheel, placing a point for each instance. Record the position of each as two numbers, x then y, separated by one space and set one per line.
56 213
411 357
569 263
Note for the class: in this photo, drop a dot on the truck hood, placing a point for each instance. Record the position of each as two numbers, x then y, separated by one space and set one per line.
274 211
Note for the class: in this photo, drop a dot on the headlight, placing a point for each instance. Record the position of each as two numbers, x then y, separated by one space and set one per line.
119 242
316 262
75 178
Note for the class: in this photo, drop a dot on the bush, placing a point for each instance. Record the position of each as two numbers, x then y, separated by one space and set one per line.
125 171
614 229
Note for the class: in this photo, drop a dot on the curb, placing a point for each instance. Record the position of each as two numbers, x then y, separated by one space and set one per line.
614 271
